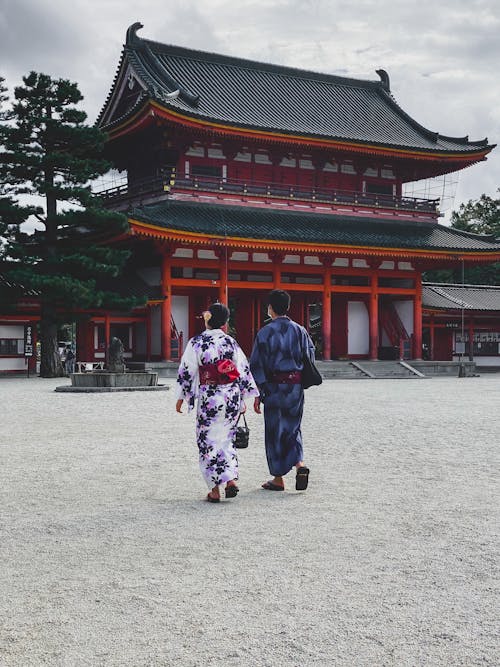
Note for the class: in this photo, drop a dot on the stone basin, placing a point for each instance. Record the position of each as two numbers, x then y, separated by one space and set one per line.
109 381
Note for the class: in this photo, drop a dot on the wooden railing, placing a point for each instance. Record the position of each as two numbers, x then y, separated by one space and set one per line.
394 328
177 341
171 183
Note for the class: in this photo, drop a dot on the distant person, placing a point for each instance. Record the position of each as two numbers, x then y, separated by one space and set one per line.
276 364
70 361
214 370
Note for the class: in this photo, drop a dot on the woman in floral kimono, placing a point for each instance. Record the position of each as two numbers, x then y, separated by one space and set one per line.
215 371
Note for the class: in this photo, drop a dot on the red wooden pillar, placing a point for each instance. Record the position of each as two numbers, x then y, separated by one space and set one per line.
195 308
223 297
417 318
166 307
327 308
373 311
222 254
277 259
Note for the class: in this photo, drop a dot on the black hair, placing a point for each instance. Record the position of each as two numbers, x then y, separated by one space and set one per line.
279 300
220 315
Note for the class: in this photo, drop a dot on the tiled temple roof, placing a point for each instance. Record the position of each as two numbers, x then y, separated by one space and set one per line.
302 227
443 296
248 94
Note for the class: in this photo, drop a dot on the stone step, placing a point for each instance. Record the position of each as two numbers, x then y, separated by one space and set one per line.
388 369
344 369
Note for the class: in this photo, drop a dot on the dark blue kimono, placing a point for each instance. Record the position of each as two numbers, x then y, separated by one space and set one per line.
281 346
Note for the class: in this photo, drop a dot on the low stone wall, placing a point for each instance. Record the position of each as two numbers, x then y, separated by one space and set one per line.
106 379
453 368
344 369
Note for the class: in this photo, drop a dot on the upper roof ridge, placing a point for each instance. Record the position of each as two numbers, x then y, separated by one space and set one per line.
135 42
250 95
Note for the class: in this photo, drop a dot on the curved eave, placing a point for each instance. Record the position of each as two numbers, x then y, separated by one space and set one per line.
148 230
457 310
478 312
152 109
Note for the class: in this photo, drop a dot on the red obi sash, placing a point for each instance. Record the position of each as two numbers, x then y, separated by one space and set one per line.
286 377
221 372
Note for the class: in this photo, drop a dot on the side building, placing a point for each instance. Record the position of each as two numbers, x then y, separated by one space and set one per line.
462 322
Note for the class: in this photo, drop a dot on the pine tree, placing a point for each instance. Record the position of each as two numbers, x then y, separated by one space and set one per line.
11 213
480 217
49 151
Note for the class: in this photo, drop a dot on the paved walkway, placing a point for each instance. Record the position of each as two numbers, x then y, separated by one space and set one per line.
109 556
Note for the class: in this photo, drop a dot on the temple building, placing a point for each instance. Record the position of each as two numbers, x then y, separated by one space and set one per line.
462 321
241 177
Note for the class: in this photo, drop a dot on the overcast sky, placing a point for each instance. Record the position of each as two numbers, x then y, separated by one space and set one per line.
443 57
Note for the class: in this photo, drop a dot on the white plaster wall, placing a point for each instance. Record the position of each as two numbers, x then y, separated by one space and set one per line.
13 364
206 254
358 332
12 331
180 314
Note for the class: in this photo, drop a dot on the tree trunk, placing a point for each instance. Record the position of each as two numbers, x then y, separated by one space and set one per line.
50 364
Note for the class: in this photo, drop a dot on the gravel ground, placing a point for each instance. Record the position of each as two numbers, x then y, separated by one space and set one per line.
110 556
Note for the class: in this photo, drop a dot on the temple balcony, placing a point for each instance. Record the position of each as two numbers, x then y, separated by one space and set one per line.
273 195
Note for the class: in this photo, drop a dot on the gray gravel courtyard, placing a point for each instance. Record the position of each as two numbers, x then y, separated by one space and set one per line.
110 556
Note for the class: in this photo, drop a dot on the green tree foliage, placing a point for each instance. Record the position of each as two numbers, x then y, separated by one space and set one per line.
480 216
49 151
11 214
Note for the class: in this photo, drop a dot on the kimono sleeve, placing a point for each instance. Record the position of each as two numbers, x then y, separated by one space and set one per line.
308 346
188 377
245 381
257 363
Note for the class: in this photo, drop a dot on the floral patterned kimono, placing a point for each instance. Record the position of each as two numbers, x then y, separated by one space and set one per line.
218 405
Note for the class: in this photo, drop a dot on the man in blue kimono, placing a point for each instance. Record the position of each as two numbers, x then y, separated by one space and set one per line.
276 364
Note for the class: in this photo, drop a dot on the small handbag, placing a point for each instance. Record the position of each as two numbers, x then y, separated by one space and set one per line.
242 434
310 375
